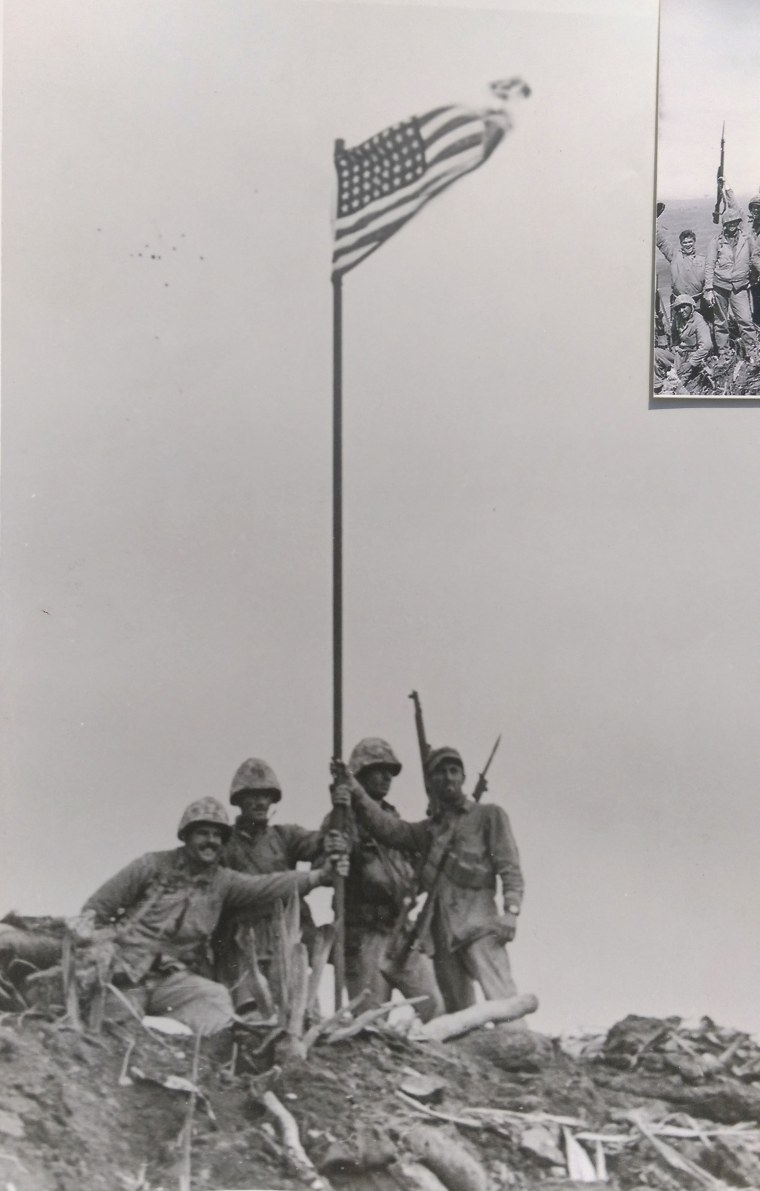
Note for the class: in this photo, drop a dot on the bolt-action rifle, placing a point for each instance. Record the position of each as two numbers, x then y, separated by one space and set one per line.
720 202
404 937
422 741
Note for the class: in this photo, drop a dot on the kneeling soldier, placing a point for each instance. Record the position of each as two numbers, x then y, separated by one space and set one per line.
165 907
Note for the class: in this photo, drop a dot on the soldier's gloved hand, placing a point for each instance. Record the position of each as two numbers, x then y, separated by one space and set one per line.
336 842
341 795
334 864
506 926
709 297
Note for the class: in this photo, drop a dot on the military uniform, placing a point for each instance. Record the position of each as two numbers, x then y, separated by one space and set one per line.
380 881
258 849
694 345
728 267
687 270
163 916
462 852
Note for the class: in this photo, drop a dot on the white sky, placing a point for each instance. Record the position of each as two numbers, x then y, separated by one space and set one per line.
526 543
708 74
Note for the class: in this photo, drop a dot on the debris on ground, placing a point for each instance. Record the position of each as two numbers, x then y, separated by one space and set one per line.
653 1103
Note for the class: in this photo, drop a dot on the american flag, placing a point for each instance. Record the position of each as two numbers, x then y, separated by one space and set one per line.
384 181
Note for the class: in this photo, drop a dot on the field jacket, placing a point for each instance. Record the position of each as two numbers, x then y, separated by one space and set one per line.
471 847
164 915
379 878
728 264
687 273
274 849
694 342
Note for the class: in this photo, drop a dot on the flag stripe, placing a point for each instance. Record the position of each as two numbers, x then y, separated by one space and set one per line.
377 210
386 180
362 245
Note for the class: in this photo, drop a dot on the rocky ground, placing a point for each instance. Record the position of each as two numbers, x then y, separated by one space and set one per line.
653 1104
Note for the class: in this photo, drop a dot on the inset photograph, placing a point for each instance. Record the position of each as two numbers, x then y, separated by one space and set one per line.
707 255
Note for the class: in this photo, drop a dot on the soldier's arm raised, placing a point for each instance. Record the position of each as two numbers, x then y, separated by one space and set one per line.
664 243
386 828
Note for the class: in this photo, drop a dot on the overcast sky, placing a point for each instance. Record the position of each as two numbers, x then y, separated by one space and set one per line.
527 544
708 74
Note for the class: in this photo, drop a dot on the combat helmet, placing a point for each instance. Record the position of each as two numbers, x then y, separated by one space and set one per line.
732 215
371 750
437 756
683 300
255 774
204 810
754 202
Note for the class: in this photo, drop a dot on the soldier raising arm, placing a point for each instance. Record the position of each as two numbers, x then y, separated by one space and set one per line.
462 849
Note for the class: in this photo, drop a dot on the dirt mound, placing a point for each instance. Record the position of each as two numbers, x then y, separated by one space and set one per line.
501 1108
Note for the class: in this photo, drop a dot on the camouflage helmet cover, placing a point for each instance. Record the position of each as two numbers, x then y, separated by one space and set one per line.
373 751
255 774
437 756
754 201
732 215
684 300
204 810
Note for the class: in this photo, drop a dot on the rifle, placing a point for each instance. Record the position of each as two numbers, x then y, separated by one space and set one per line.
398 955
422 741
720 202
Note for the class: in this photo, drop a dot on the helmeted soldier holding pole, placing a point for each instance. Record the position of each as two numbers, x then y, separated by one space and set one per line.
247 938
462 848
380 888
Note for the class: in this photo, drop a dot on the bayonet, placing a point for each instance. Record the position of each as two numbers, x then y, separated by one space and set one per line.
482 785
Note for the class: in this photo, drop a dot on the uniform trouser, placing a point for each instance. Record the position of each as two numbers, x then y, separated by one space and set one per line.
755 295
485 961
415 979
734 304
204 1005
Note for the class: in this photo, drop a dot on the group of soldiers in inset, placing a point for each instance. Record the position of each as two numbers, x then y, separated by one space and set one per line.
188 933
712 326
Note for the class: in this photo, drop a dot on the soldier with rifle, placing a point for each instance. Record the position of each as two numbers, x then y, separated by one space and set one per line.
380 889
731 259
461 848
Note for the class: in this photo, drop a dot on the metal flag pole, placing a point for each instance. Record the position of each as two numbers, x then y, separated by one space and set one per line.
339 814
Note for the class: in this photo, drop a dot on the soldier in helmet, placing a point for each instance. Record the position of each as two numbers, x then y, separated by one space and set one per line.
256 846
693 343
463 847
165 907
380 884
732 257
